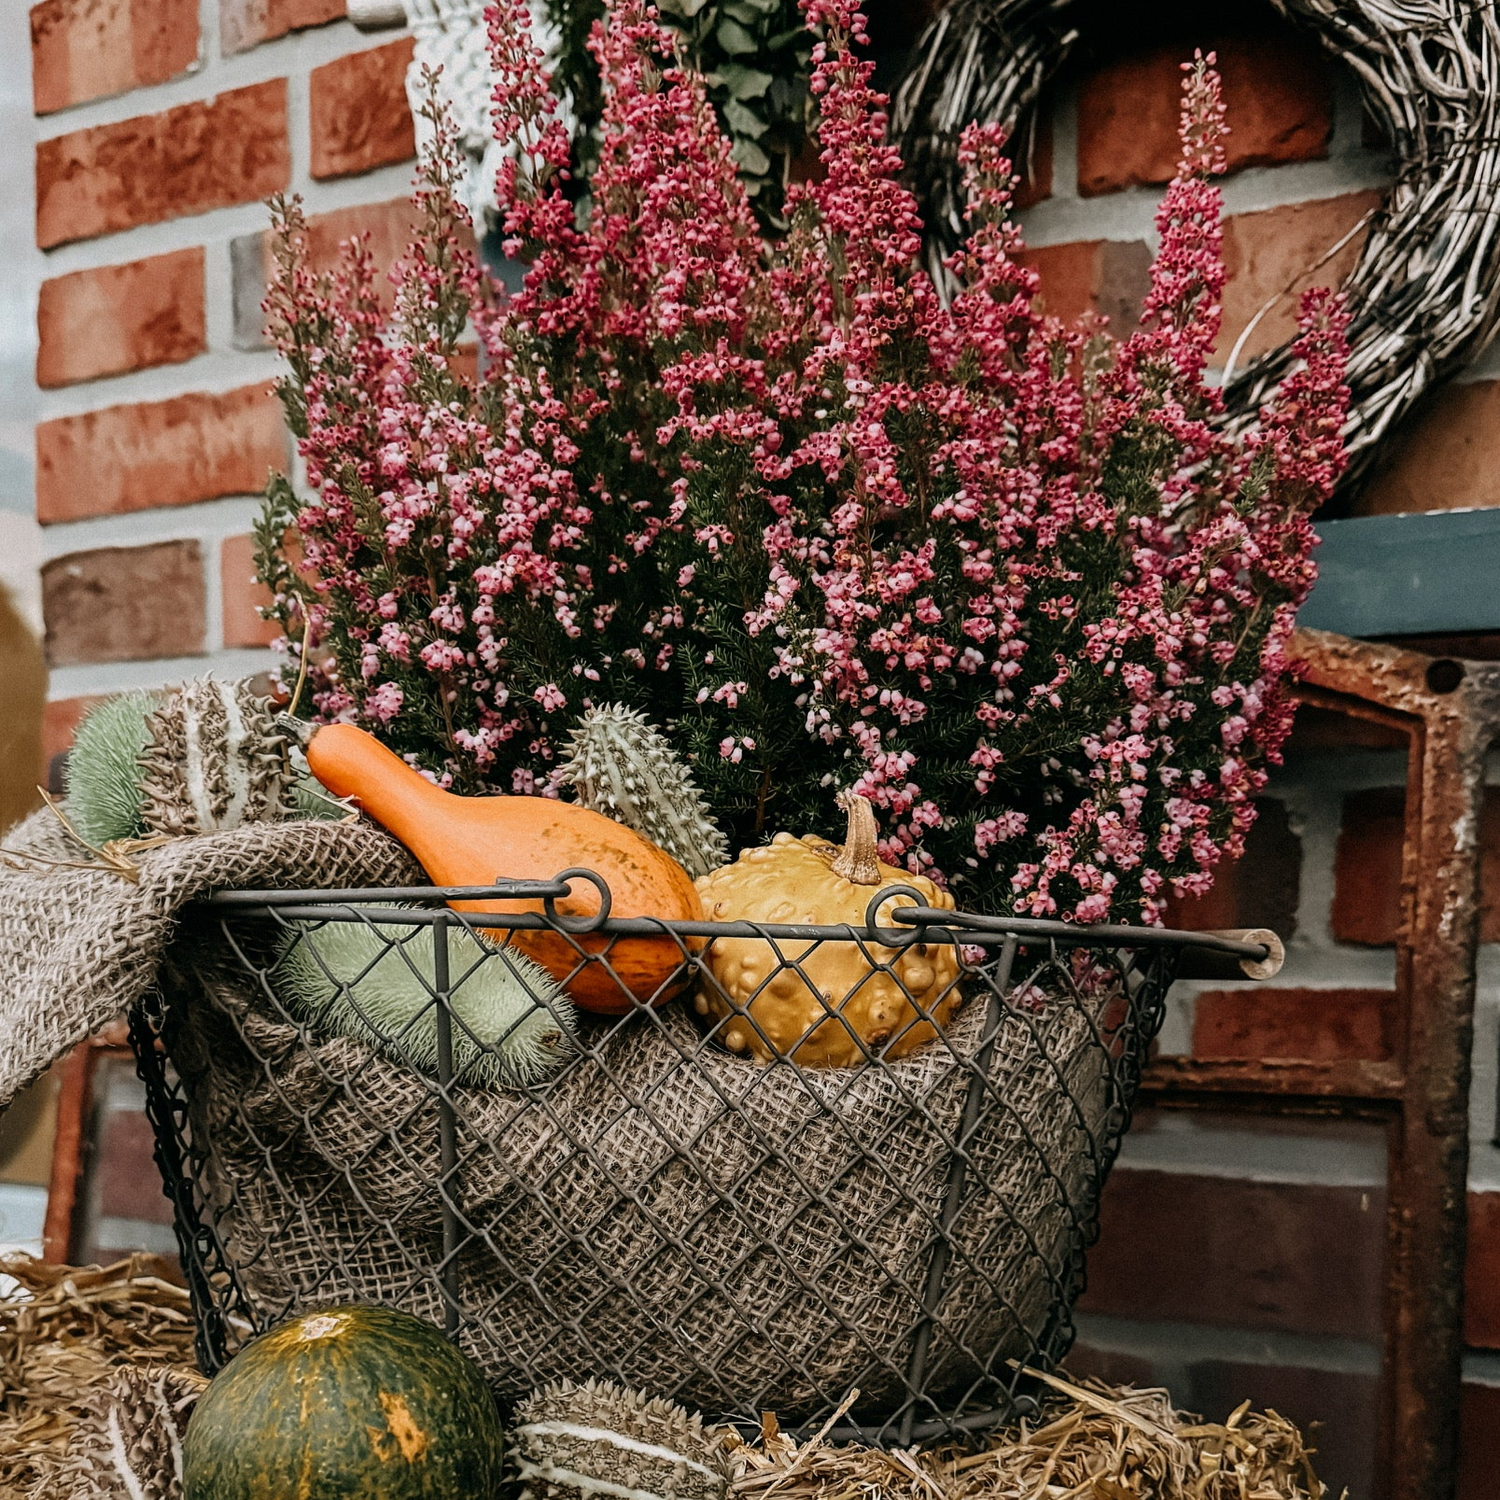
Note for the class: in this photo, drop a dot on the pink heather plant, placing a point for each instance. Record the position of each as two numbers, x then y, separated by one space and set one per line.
1004 576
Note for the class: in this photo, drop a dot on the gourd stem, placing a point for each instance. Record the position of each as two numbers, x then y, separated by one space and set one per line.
858 862
299 730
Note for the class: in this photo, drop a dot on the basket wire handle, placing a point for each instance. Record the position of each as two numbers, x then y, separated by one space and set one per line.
590 922
909 932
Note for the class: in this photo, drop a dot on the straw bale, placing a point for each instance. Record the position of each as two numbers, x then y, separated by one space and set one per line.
1090 1442
66 1335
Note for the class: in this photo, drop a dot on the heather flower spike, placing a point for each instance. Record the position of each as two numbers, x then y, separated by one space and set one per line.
825 523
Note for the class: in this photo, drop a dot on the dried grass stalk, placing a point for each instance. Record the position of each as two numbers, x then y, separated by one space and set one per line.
64 1333
1091 1443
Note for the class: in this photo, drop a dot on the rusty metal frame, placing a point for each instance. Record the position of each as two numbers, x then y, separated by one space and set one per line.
72 1143
1450 713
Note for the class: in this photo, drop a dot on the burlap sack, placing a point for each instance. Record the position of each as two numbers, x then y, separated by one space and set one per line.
736 1236
79 946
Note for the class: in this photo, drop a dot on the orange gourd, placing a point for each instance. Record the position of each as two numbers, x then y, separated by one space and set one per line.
478 840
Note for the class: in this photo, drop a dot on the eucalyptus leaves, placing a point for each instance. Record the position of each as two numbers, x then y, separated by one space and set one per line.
756 58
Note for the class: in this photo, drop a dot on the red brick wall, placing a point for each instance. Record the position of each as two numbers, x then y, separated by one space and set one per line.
161 127
158 138
1239 1257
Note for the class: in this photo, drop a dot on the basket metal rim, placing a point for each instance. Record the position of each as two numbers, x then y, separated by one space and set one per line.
918 923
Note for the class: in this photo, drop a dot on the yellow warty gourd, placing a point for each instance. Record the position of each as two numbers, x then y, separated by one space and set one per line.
843 995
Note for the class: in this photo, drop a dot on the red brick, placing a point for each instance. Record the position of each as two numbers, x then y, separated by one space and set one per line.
124 1168
1338 1412
1262 889
1302 1258
1441 458
1478 1422
86 49
95 1252
1069 276
464 362
1313 1025
23 674
1112 1366
390 227
187 160
124 604
247 23
1036 175
1367 867
1267 256
118 318
1322 731
174 452
242 593
1482 1272
359 114
1108 277
1277 90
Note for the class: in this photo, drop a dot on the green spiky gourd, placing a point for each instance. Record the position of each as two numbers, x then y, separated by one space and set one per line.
198 758
512 1023
347 1401
103 770
620 765
126 1440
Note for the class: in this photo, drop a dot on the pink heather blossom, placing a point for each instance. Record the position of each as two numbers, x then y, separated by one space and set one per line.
826 522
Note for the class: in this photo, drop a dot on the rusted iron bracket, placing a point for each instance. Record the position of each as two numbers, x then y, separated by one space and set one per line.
1449 712
71 1145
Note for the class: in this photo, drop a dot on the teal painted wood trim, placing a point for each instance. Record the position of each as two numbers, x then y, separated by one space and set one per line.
1407 575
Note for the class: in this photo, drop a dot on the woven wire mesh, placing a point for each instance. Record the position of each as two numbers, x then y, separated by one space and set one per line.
739 1235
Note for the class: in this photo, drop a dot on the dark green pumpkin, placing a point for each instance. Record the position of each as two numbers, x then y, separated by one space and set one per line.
346 1401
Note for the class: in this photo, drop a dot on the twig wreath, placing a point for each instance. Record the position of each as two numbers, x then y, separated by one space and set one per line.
1425 295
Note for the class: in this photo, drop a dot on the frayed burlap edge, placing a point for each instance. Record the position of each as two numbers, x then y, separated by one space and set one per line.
78 946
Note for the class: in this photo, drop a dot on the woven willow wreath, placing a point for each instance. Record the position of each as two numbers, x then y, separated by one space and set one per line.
1425 296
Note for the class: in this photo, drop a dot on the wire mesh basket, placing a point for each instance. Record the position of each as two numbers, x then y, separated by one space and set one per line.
740 1235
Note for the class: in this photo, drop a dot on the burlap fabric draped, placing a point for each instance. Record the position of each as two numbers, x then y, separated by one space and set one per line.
77 947
736 1236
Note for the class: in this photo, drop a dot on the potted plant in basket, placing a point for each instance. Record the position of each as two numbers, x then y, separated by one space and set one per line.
765 527
822 521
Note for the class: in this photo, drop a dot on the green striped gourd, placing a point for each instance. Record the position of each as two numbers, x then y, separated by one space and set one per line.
361 1401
